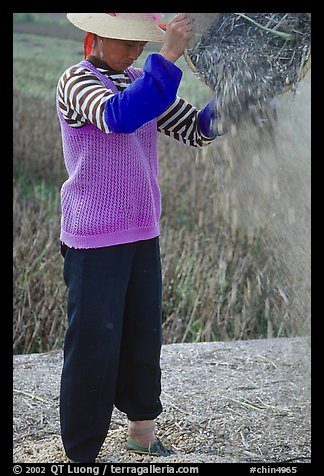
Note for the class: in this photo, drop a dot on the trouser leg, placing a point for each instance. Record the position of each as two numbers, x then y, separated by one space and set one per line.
97 284
139 377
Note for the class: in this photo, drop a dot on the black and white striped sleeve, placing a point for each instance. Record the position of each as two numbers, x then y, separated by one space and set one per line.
180 121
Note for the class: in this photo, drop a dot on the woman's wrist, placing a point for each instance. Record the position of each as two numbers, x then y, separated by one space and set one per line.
169 55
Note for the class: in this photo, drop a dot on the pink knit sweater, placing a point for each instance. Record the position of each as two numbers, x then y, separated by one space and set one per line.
112 194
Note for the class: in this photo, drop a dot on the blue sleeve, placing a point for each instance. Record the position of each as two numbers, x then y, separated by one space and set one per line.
208 118
146 98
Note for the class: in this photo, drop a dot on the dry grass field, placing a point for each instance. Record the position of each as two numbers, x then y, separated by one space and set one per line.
235 237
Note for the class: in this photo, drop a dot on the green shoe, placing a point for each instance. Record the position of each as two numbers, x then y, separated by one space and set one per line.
154 449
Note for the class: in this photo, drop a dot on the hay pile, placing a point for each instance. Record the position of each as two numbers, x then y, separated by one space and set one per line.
247 59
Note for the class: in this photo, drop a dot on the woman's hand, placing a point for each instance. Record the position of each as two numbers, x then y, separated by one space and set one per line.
178 33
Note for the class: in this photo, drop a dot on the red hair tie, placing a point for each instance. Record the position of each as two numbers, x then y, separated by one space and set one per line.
88 40
87 44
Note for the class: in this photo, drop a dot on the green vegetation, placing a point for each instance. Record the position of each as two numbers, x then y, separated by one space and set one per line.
41 18
38 62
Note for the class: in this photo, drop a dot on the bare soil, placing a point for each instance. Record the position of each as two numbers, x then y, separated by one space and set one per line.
232 402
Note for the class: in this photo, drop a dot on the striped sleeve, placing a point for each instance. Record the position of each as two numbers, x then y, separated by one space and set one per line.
180 121
82 98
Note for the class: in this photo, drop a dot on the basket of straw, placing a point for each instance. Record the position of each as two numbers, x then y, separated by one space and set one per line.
249 58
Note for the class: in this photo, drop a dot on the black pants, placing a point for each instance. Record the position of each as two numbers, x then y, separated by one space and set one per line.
112 344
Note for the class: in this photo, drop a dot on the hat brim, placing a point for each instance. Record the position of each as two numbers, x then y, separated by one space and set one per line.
108 26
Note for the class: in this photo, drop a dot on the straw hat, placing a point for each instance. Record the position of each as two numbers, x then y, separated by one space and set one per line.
122 26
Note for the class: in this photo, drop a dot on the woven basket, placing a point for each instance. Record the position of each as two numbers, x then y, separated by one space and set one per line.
202 22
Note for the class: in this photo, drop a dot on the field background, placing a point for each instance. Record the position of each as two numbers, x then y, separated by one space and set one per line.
228 274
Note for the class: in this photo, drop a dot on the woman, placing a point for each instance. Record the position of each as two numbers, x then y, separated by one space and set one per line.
110 114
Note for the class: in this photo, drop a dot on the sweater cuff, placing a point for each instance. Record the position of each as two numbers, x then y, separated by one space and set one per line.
208 118
163 70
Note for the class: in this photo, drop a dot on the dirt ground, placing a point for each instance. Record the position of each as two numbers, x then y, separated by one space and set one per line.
224 402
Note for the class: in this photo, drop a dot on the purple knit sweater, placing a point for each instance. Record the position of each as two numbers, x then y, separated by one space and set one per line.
112 194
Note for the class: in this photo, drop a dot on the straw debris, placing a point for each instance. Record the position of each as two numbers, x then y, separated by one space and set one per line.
236 401
249 58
